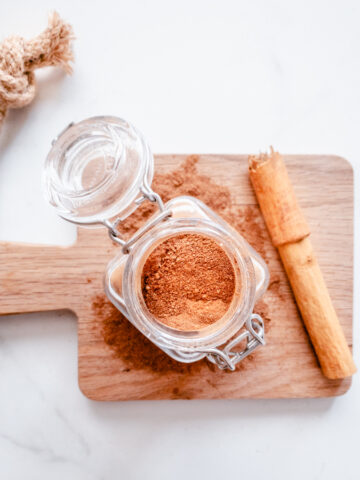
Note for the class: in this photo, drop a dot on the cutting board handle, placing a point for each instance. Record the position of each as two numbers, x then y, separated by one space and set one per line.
31 277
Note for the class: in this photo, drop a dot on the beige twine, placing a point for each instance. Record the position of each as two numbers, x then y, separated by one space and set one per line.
19 58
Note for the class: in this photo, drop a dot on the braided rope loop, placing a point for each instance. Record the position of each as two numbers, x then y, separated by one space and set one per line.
19 58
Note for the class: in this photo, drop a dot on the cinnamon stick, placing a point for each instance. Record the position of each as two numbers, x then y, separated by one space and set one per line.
290 235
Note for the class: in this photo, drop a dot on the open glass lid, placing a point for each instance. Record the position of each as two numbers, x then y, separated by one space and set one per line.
97 169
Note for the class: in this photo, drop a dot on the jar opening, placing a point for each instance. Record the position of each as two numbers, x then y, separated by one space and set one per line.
188 282
132 299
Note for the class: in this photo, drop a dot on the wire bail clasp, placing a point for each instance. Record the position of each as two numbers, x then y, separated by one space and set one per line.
146 194
254 336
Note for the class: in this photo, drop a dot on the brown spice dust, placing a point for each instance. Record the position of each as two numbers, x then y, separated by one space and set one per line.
188 282
132 347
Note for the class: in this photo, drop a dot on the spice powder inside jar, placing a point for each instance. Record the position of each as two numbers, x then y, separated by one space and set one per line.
188 282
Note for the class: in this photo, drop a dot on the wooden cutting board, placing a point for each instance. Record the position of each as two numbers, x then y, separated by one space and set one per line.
37 278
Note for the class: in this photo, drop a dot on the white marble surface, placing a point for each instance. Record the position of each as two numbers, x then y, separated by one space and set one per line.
194 76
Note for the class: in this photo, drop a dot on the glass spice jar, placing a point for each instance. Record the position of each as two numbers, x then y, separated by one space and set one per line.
97 173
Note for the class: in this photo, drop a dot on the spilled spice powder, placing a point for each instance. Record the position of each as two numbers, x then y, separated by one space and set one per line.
132 347
185 180
126 342
188 282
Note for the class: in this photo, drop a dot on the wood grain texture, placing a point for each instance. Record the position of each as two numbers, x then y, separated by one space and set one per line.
38 278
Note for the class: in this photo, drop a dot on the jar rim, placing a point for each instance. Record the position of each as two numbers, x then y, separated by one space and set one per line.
218 332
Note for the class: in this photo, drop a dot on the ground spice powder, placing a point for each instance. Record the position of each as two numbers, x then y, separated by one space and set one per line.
188 282
125 341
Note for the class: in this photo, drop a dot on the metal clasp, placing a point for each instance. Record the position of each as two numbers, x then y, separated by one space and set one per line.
146 194
254 336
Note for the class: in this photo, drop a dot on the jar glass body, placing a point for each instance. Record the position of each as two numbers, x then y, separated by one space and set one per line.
124 288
